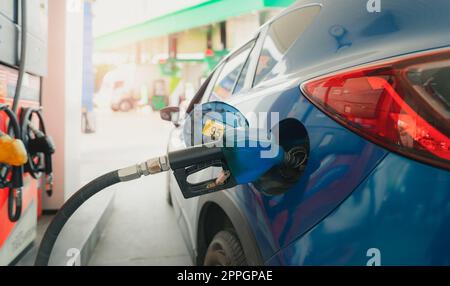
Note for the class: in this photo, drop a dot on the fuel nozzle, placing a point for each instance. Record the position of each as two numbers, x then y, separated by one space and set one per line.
40 147
239 165
42 143
12 151
185 163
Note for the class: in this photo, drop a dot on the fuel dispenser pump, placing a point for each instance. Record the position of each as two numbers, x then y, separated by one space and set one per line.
13 156
23 64
39 145
220 144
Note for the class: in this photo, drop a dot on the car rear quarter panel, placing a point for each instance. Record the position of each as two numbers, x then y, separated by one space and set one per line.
344 34
402 210
339 161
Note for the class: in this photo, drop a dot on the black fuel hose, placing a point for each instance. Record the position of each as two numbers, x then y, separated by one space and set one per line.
152 166
69 208
23 54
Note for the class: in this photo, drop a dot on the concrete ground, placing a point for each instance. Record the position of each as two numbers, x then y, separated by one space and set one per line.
142 229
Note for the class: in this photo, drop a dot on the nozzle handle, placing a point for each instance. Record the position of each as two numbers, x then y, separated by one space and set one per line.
187 162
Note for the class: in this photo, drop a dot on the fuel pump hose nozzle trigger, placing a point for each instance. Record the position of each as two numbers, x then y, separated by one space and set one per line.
183 163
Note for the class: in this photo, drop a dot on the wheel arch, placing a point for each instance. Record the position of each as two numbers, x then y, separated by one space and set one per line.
219 211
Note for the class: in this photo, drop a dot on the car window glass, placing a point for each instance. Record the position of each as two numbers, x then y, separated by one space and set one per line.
282 34
228 77
211 84
241 81
205 88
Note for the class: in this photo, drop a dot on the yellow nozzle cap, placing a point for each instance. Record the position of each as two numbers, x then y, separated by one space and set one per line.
12 151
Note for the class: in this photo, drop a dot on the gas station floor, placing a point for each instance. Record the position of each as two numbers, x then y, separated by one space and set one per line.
141 229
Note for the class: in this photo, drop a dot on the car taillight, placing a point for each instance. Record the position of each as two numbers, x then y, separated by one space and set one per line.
402 104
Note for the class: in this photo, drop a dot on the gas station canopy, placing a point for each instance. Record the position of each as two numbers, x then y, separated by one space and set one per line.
208 12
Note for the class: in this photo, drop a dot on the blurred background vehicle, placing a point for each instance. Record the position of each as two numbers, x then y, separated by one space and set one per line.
129 86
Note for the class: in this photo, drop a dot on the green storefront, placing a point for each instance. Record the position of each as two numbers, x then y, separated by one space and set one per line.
207 13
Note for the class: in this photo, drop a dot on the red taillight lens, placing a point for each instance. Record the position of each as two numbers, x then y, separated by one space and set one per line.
403 105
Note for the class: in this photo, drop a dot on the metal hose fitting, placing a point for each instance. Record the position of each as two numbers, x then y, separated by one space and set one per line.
150 167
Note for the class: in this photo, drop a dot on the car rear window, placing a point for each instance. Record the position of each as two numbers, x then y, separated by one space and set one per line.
282 34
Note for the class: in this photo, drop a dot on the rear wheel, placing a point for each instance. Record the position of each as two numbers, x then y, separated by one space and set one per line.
225 250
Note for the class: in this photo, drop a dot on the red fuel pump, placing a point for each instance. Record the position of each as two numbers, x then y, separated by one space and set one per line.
23 63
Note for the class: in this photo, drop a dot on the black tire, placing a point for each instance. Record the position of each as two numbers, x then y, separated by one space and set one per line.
125 105
225 250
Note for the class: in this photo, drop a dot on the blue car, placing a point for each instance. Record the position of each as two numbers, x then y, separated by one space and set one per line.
364 88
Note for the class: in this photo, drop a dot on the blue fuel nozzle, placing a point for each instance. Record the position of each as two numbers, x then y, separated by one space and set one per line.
244 162
248 164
